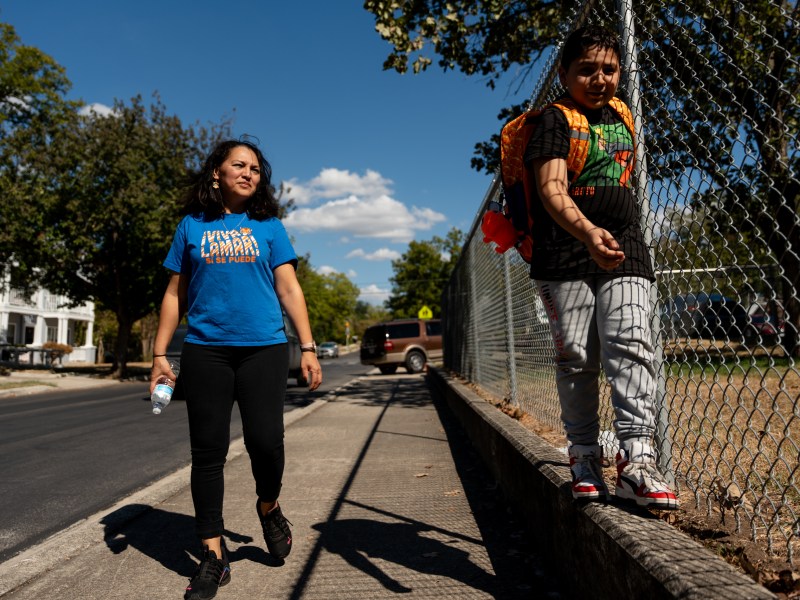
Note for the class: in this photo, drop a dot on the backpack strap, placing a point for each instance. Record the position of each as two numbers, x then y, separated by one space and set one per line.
579 137
579 134
625 114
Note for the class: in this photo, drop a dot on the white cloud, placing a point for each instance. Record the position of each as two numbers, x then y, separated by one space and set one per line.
338 183
329 270
372 217
326 270
101 110
299 193
374 294
379 254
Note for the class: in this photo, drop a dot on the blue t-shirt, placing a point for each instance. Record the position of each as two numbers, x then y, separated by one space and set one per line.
230 263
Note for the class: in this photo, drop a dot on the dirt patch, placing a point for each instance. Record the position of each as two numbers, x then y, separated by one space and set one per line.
742 552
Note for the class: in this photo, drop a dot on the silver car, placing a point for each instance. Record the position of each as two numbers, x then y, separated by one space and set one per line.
328 350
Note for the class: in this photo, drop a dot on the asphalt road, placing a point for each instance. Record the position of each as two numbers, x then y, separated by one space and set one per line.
65 455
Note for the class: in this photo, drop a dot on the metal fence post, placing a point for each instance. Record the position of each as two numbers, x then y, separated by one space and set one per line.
473 314
510 341
630 64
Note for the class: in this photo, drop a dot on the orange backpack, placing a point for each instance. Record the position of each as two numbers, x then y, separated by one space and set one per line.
509 223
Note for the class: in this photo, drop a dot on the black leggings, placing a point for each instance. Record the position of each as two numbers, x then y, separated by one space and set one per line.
212 378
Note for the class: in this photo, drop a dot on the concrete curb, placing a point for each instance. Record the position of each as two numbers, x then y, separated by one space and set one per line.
27 390
64 384
70 542
619 551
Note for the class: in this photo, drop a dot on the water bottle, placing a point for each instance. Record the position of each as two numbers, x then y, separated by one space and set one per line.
162 393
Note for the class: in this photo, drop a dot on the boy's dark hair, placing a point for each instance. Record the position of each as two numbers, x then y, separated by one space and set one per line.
584 38
202 198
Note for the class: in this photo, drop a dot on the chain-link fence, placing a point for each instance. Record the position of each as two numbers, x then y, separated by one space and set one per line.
714 90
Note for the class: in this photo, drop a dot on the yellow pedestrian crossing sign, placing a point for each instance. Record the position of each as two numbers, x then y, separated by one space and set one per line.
425 313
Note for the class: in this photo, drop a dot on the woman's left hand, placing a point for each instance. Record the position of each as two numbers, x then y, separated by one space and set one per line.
311 369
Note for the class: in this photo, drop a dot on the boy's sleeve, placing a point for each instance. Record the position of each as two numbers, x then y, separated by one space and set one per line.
550 137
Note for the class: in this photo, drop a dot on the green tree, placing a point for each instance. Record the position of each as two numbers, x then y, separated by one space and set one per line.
112 206
422 273
331 300
712 79
478 37
365 315
32 105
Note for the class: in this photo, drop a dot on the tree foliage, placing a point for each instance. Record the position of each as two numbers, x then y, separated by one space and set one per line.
110 207
32 106
331 301
483 37
422 273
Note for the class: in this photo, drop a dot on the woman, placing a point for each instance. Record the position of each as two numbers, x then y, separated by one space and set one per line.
232 270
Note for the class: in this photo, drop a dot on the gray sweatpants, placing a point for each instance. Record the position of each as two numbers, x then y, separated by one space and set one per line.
603 320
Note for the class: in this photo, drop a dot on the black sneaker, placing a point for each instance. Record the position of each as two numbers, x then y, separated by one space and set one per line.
211 574
277 534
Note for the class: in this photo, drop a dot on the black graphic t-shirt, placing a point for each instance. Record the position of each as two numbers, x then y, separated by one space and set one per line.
602 192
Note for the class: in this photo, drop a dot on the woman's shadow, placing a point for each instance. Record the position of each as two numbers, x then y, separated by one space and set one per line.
166 537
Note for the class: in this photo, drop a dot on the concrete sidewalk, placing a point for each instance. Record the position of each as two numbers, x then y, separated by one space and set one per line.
384 494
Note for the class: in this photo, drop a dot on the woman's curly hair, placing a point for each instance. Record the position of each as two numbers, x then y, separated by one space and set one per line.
203 198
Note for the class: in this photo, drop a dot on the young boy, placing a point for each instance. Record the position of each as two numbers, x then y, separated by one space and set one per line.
593 273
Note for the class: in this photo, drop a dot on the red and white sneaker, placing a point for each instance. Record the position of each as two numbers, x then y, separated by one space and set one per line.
586 464
639 479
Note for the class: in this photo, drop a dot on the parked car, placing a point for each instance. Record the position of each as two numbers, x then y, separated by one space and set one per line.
294 353
702 315
765 329
176 346
678 315
410 343
328 350
174 356
722 318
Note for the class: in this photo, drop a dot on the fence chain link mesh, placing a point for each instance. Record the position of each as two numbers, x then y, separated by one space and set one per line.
715 88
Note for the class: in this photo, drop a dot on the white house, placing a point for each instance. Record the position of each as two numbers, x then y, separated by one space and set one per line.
30 321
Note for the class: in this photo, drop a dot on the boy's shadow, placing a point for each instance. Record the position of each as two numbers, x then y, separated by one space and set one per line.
359 541
166 537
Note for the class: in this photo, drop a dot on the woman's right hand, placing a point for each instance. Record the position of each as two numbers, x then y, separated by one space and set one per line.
160 367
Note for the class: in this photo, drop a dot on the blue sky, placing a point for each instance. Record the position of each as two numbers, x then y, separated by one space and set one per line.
374 159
